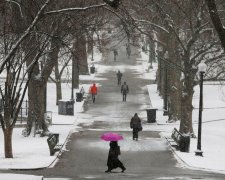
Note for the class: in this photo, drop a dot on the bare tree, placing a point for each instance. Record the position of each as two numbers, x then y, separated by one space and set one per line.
216 20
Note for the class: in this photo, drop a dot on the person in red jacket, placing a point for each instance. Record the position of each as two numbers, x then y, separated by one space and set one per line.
94 91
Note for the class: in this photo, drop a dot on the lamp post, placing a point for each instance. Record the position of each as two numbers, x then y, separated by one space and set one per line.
201 69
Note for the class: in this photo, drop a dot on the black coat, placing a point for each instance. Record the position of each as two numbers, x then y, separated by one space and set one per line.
113 160
135 123
124 89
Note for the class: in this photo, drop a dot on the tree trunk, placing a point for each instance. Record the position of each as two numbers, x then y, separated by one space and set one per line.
8 142
160 74
89 42
36 89
216 20
186 104
8 116
174 96
58 83
75 65
75 73
174 87
82 54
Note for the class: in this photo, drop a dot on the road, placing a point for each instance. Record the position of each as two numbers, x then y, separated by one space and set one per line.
149 158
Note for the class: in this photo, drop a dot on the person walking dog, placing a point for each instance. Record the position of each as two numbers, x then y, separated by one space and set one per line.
135 124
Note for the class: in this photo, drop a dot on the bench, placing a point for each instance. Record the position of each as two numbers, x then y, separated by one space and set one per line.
182 142
80 95
53 140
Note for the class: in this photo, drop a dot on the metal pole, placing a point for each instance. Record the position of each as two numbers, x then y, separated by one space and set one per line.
199 151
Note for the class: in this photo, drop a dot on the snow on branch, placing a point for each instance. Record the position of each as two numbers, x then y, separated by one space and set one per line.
74 9
153 24
18 4
24 35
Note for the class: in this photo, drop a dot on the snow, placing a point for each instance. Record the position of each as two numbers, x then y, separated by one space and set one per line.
33 152
19 177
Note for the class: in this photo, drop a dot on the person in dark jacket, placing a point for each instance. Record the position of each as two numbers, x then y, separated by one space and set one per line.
124 91
113 161
119 76
135 124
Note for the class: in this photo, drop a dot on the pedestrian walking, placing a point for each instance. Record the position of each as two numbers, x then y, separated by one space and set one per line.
124 91
119 77
113 161
135 124
128 50
115 54
93 90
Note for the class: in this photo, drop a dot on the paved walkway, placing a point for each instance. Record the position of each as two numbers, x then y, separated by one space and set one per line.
149 158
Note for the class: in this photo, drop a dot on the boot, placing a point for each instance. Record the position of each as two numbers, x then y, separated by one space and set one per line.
107 171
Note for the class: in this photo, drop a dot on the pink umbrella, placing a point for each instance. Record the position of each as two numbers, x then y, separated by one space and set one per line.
111 137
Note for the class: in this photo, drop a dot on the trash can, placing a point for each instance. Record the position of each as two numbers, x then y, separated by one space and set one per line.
151 115
92 69
185 143
79 97
66 107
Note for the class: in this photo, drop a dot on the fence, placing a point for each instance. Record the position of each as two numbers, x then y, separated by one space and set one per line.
23 113
22 116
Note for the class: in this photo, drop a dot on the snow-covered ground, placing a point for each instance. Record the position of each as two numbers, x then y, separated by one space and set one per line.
34 152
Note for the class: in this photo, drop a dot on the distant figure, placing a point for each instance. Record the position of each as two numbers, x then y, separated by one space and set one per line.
128 50
119 76
115 54
124 91
135 124
93 91
113 161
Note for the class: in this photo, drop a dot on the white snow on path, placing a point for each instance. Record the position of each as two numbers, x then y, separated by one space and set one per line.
19 177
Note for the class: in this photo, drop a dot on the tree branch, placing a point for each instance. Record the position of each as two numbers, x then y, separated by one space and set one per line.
216 20
74 9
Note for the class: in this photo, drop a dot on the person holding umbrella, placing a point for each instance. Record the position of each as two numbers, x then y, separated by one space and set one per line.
113 161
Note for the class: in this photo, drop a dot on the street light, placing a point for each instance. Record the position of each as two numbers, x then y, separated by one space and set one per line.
201 69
